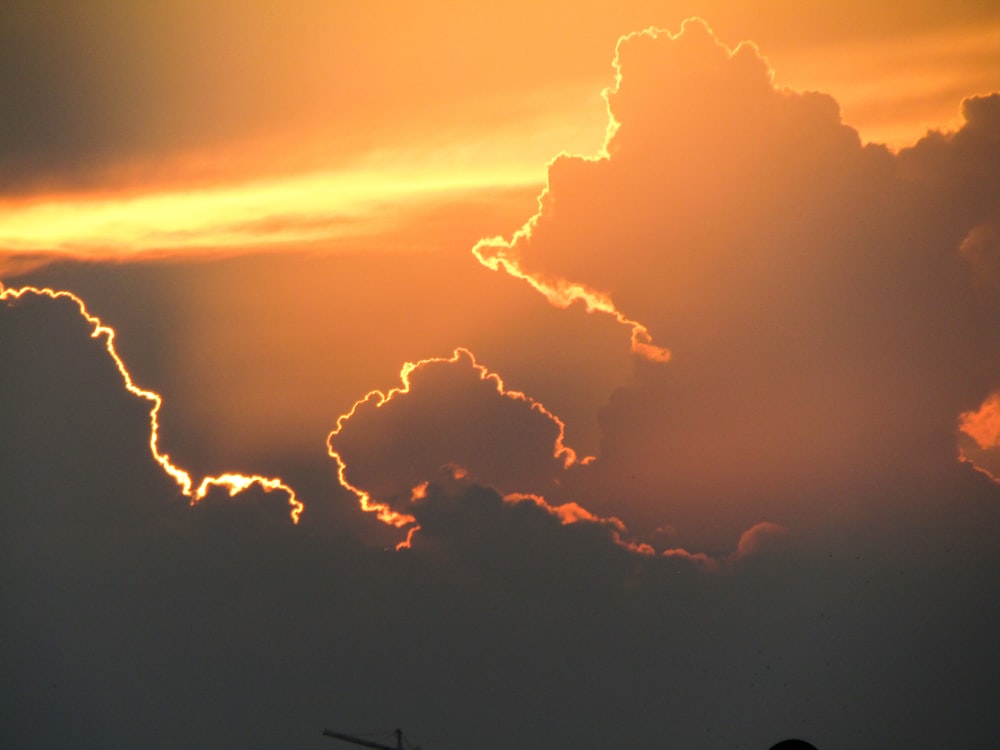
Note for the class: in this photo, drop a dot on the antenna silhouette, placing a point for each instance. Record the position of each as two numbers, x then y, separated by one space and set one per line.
400 745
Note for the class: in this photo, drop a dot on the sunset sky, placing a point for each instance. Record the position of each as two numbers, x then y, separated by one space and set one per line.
523 375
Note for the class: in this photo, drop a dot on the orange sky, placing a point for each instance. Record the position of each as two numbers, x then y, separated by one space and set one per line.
694 382
176 125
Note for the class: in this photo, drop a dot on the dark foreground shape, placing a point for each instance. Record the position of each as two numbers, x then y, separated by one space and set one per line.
793 745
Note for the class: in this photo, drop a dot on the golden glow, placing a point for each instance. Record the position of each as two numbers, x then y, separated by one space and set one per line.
232 482
464 145
983 427
570 513
303 208
491 253
891 90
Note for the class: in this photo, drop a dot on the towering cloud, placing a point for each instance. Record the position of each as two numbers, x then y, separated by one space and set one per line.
830 306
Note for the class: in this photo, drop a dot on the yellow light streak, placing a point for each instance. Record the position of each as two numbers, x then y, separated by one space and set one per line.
302 208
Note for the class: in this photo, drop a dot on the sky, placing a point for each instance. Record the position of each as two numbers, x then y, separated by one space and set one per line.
516 374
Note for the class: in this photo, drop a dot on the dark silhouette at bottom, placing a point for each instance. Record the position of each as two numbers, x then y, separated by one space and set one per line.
402 745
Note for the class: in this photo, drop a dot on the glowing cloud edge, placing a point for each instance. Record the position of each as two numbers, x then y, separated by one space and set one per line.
402 520
233 482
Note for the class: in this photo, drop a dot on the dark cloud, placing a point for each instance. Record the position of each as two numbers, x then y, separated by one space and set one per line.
59 388
131 618
450 412
451 420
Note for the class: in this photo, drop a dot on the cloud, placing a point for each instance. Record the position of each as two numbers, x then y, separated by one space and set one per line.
69 424
188 485
448 411
983 425
761 538
516 537
130 602
826 304
455 447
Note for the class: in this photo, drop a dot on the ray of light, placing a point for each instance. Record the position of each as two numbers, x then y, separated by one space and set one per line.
301 208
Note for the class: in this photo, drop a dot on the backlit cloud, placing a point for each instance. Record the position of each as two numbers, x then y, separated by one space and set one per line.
222 219
232 482
447 412
823 301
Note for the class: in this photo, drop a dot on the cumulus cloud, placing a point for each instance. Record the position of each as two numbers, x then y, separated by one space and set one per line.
452 420
250 628
187 484
449 411
983 425
826 302
69 426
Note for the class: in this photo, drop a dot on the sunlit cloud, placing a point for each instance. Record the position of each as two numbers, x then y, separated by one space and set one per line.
493 254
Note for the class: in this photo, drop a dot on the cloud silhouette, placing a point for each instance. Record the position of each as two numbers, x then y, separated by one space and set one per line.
448 411
69 424
187 484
